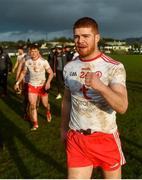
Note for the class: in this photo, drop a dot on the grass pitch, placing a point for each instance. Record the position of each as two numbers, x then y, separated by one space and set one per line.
40 154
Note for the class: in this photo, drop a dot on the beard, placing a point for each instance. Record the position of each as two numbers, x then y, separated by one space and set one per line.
85 51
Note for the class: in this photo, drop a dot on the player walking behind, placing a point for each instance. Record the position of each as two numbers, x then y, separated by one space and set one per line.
37 67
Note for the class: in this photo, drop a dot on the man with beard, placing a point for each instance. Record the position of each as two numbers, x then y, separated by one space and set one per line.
94 91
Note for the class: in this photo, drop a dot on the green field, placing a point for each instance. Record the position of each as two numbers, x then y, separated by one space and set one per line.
40 154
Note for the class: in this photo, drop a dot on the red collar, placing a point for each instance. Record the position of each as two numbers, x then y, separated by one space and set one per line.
87 60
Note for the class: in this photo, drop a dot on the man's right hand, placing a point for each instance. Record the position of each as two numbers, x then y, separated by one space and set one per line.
16 87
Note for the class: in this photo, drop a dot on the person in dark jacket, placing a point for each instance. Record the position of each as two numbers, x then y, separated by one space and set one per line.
5 68
60 60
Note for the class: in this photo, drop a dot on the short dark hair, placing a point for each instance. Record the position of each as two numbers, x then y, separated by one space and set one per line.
20 47
86 22
34 46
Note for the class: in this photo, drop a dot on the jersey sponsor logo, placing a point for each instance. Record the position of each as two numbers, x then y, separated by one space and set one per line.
73 74
109 60
98 73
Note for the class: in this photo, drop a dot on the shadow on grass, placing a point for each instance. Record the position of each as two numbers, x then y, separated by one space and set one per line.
135 145
135 86
10 132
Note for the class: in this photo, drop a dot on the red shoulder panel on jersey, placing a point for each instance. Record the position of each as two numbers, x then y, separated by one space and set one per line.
89 60
109 59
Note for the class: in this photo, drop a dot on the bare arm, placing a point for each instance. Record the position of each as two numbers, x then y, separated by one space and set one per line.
50 77
22 75
66 107
15 66
19 69
115 95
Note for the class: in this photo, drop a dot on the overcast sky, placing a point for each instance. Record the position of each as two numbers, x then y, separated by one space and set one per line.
46 19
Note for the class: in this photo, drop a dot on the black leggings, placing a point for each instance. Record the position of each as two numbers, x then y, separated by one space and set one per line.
59 80
3 82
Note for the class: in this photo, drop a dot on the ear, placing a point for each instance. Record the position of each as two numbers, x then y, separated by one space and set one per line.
97 38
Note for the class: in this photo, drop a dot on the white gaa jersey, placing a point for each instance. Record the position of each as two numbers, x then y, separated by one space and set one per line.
20 57
36 71
88 107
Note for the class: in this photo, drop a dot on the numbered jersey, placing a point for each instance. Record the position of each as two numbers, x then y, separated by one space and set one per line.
88 107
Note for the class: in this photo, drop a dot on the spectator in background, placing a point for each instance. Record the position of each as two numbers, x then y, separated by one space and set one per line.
20 57
5 68
51 56
75 54
60 60
69 53
25 85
